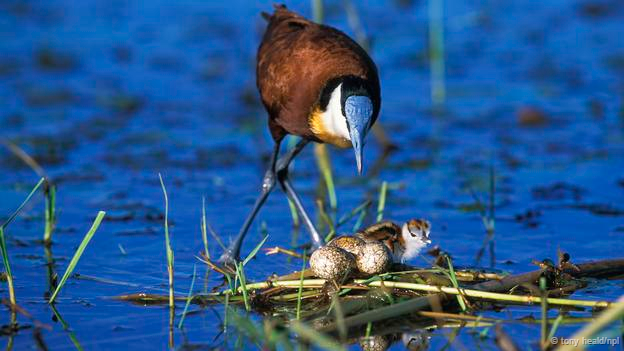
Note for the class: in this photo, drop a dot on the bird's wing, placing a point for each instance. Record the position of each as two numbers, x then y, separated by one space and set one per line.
296 59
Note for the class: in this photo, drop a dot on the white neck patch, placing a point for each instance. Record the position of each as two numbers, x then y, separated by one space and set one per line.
413 245
334 122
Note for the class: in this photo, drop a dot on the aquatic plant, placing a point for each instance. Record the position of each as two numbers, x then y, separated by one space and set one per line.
3 247
78 254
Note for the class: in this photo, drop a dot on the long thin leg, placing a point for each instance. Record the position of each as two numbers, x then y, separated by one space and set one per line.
317 240
268 183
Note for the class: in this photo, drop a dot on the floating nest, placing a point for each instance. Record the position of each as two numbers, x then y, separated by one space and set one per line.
405 303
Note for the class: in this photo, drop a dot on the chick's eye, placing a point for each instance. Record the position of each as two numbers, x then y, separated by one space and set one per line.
413 235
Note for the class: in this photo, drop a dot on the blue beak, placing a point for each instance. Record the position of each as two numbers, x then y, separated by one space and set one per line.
358 112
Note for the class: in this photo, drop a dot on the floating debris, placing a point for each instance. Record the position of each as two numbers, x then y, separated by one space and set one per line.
531 117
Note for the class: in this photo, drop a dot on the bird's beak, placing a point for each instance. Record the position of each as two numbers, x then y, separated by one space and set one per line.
358 112
357 139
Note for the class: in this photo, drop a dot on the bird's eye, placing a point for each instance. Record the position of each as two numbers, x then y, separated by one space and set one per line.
413 235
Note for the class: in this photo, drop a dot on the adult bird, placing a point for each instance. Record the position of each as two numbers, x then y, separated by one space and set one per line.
316 83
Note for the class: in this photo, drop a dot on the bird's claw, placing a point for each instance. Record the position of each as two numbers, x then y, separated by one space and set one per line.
229 259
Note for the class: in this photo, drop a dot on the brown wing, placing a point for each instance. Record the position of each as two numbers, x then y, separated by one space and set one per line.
296 59
380 231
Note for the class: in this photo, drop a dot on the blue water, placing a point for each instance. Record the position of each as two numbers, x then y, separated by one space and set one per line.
107 94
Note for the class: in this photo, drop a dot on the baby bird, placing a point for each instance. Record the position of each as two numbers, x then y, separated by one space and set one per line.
404 242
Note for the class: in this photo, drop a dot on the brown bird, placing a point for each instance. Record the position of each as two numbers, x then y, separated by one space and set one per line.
316 83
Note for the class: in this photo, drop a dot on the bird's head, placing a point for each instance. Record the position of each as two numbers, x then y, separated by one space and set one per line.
415 233
348 109
357 109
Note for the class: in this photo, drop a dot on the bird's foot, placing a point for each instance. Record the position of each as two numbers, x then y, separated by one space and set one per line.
229 259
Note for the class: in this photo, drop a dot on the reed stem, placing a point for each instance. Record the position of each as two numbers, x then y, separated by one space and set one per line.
382 200
528 299
168 244
50 212
436 51
74 261
615 312
7 267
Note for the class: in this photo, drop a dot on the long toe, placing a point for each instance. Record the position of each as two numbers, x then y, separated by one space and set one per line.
229 259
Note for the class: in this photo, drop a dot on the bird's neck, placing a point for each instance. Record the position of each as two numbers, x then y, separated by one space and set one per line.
412 249
329 125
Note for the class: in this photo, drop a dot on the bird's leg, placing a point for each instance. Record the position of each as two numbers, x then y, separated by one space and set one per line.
231 255
282 177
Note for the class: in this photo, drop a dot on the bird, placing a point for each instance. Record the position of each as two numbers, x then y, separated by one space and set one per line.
316 83
404 242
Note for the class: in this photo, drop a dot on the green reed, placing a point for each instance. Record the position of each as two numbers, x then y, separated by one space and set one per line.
189 297
300 290
3 246
78 254
7 267
436 51
168 243
455 283
204 232
50 212
382 200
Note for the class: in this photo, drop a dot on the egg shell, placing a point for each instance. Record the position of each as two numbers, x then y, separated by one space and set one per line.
375 343
332 263
350 244
374 258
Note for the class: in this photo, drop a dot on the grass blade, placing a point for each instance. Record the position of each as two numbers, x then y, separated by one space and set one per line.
555 326
293 213
14 214
240 274
300 291
327 220
50 214
544 308
7 267
66 328
324 164
382 200
317 11
226 307
321 340
608 316
78 254
189 297
168 243
453 278
436 51
253 252
204 232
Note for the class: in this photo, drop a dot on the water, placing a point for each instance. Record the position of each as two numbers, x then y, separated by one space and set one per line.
107 94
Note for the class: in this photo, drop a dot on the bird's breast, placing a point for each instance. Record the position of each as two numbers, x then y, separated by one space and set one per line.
326 131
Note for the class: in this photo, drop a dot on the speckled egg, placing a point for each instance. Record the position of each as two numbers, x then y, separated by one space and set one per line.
375 343
350 244
374 258
332 263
